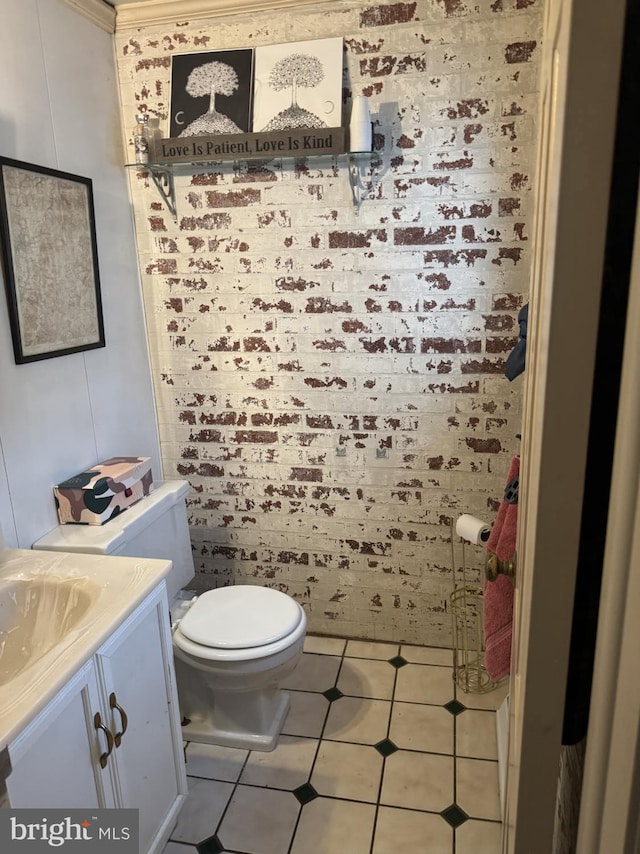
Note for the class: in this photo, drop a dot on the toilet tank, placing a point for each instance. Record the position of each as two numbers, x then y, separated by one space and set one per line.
155 527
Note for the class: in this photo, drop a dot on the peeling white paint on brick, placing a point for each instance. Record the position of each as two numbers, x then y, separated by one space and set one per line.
284 328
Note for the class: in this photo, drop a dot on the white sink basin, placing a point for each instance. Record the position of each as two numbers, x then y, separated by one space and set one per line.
56 610
36 614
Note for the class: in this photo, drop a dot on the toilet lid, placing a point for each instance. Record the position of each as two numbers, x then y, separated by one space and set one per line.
240 617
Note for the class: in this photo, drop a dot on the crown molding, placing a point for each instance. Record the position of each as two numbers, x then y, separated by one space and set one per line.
150 12
97 11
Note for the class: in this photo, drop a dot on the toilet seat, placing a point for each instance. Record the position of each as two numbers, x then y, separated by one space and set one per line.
240 623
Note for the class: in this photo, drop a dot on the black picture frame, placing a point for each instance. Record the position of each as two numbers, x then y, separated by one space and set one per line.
50 261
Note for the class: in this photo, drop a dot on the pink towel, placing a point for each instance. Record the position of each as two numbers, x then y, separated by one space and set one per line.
498 594
502 539
498 617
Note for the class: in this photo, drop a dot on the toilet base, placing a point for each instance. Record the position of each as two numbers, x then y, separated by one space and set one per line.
214 731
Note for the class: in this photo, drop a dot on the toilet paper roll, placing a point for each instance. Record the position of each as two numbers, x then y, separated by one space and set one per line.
472 529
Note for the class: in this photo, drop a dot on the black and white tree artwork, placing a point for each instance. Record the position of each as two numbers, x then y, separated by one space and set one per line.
211 93
211 79
291 72
298 85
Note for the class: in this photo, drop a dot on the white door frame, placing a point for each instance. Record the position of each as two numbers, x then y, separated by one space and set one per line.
610 805
582 47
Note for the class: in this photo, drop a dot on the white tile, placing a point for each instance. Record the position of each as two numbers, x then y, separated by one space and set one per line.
421 781
177 848
328 825
479 837
313 673
371 649
492 700
214 762
477 790
424 683
419 727
347 771
476 734
202 810
261 821
286 767
358 720
324 645
409 832
427 655
361 677
307 714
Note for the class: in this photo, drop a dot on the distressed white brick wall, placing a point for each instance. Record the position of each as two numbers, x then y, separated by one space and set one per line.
331 384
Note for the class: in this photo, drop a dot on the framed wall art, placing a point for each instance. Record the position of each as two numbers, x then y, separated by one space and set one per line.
50 261
211 93
298 85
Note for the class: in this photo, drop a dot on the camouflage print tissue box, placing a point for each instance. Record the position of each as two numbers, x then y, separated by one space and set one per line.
103 491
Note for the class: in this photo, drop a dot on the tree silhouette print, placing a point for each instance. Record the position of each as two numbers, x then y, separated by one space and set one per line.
295 70
211 78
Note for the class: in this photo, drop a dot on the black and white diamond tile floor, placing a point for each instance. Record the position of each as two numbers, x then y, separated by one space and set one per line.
380 753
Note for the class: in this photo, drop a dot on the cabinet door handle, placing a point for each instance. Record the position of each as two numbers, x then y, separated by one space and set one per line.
113 704
97 722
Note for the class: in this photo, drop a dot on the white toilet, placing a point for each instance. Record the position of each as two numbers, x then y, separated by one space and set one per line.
232 646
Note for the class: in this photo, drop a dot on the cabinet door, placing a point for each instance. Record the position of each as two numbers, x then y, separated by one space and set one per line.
56 759
136 672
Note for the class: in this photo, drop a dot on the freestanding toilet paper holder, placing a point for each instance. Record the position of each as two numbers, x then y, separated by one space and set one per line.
465 602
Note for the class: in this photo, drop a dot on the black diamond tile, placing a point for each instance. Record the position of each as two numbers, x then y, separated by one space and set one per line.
305 793
385 747
332 694
398 661
454 816
212 845
454 707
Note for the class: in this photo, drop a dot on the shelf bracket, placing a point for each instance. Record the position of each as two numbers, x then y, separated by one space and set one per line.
163 180
162 175
355 181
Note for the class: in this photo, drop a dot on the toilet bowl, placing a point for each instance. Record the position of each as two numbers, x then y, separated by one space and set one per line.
233 646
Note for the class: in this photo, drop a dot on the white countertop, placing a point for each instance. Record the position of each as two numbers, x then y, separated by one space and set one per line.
119 585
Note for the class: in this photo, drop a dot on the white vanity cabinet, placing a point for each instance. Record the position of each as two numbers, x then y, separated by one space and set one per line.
111 737
55 759
135 668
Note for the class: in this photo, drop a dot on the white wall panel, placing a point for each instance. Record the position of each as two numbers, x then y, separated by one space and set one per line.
60 108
